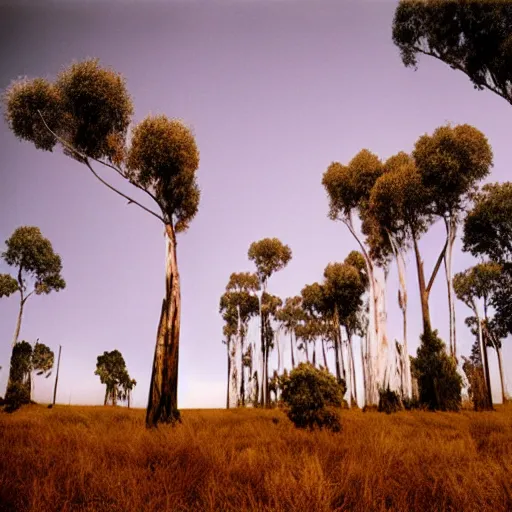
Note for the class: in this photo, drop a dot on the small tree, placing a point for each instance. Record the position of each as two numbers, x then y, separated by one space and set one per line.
111 369
438 381
38 268
312 396
42 361
87 110
19 384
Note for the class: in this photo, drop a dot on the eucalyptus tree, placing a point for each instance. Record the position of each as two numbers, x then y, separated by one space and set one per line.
344 290
451 162
239 304
349 187
87 111
111 369
472 37
37 267
290 315
269 256
270 305
229 331
43 359
476 287
126 385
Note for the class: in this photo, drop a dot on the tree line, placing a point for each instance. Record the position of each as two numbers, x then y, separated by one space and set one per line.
386 205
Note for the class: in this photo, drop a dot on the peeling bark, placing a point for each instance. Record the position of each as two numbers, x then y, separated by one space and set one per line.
163 392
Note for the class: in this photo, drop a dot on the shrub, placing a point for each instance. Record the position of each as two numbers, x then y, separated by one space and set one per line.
389 401
311 396
438 381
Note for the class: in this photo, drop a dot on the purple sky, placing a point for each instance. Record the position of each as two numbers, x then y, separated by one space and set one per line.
275 91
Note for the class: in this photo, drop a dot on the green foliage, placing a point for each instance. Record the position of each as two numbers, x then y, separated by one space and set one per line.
438 381
18 387
88 110
311 395
87 106
474 371
348 187
163 158
478 282
269 255
472 37
389 401
488 226
8 285
42 359
451 161
111 369
33 256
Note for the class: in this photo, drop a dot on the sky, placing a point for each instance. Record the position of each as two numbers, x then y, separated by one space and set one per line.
274 92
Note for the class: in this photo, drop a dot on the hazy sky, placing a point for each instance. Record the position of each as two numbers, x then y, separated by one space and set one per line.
274 91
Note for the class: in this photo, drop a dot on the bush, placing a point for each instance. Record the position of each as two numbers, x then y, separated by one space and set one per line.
389 401
312 396
438 381
18 394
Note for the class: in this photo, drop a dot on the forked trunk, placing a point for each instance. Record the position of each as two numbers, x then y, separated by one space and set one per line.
163 391
425 311
504 396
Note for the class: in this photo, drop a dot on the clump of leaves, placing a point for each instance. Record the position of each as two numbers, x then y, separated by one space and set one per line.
438 381
312 397
389 401
18 388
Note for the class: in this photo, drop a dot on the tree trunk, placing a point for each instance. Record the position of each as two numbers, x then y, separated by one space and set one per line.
163 392
56 377
18 323
336 347
314 353
291 349
483 354
504 397
377 339
451 234
352 366
363 365
228 345
425 311
324 354
129 397
106 395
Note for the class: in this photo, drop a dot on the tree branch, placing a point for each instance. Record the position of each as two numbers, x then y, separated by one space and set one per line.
459 68
85 159
436 268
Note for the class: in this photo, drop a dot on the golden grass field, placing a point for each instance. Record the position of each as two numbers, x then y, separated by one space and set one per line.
103 459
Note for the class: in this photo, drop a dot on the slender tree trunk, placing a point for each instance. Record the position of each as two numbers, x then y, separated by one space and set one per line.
324 354
425 311
483 354
56 378
451 234
106 396
228 345
163 393
337 347
291 349
314 353
352 367
377 338
504 397
129 398
276 338
363 365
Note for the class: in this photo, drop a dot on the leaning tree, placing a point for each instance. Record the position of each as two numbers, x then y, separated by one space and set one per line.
269 256
472 37
87 111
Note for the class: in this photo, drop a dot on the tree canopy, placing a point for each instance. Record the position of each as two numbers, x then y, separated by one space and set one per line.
472 37
269 255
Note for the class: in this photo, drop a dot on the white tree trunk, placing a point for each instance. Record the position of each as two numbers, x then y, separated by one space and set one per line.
451 233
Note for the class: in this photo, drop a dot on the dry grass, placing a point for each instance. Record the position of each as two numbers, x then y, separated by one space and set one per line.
101 459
